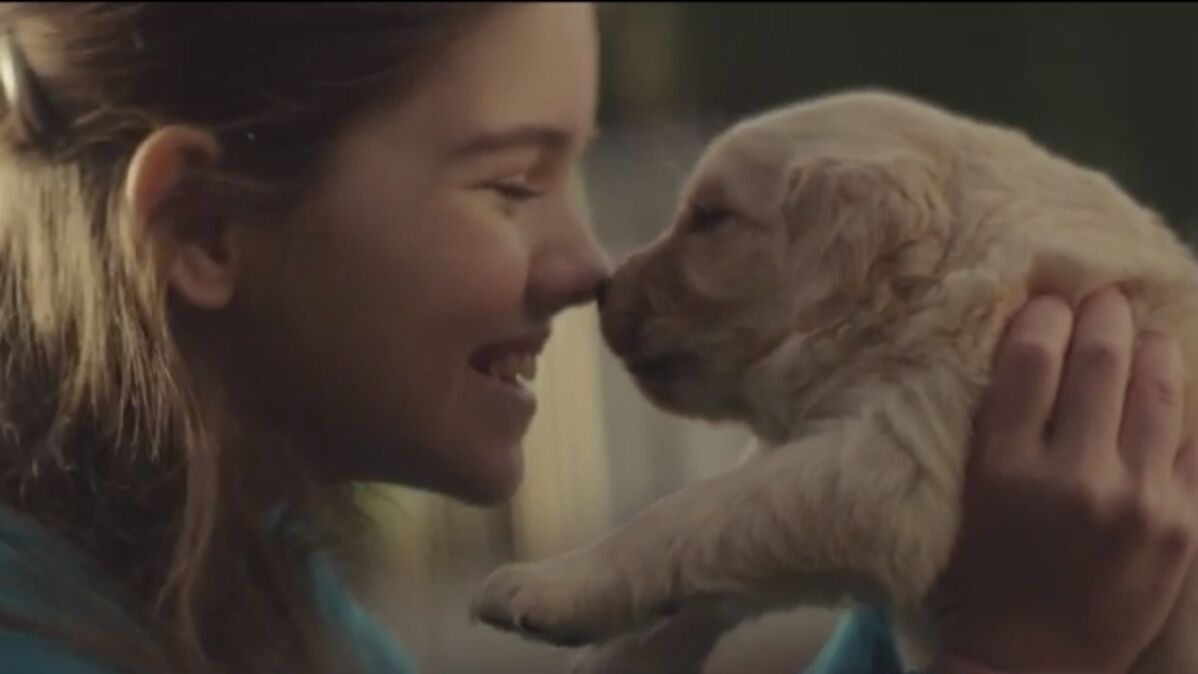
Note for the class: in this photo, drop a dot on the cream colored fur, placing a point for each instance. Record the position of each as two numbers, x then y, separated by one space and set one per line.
837 278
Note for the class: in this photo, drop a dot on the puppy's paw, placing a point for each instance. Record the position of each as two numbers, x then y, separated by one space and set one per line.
569 601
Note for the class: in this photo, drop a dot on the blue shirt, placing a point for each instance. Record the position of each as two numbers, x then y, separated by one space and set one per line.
40 576
38 573
861 644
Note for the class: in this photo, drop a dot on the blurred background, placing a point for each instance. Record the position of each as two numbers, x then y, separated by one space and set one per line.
1113 86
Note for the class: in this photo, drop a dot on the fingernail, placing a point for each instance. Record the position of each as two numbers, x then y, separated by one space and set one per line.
1111 293
1041 310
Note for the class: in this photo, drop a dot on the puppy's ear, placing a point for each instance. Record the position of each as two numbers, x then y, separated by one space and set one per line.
850 216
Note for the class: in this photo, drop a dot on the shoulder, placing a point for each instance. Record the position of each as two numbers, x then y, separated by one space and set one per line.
42 580
25 653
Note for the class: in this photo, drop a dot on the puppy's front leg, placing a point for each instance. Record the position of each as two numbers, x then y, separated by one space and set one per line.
844 511
678 644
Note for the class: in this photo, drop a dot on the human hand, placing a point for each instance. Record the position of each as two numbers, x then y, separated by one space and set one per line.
1081 503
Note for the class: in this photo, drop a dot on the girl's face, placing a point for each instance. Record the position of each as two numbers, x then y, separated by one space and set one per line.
385 330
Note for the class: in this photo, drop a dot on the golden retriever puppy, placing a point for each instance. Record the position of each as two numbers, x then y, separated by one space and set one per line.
837 278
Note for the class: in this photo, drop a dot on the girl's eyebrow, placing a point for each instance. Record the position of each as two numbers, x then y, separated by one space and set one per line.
534 135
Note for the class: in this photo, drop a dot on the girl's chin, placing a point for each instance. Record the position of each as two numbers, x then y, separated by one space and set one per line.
492 480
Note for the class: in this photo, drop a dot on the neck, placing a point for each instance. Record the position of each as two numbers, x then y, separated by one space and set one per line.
776 387
797 383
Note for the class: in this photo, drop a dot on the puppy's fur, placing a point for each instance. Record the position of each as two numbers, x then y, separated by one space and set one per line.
837 278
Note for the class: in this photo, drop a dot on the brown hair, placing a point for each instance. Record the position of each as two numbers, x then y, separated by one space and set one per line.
105 438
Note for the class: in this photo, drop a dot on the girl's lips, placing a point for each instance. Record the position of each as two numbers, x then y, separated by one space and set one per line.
510 359
512 396
503 369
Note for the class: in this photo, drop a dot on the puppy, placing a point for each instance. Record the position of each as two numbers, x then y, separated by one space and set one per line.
837 278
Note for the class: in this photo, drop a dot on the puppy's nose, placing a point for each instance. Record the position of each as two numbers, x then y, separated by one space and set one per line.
601 289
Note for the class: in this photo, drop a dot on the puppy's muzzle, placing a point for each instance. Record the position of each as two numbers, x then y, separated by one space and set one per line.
624 307
622 330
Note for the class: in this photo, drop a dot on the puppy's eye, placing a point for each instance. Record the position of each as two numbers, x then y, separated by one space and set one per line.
704 218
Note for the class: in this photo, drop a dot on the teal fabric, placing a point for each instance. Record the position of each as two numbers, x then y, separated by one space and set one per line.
24 654
379 651
861 644
38 574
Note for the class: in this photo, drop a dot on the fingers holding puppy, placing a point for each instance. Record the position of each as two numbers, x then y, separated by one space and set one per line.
1081 505
1089 409
1019 402
1150 436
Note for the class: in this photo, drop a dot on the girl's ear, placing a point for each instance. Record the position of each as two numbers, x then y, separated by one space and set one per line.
178 219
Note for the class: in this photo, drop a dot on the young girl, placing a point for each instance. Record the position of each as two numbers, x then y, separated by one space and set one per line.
251 254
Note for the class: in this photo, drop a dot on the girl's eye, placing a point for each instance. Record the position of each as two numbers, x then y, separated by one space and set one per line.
704 218
515 191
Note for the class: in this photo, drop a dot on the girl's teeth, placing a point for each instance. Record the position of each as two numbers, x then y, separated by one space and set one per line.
528 368
514 369
510 368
